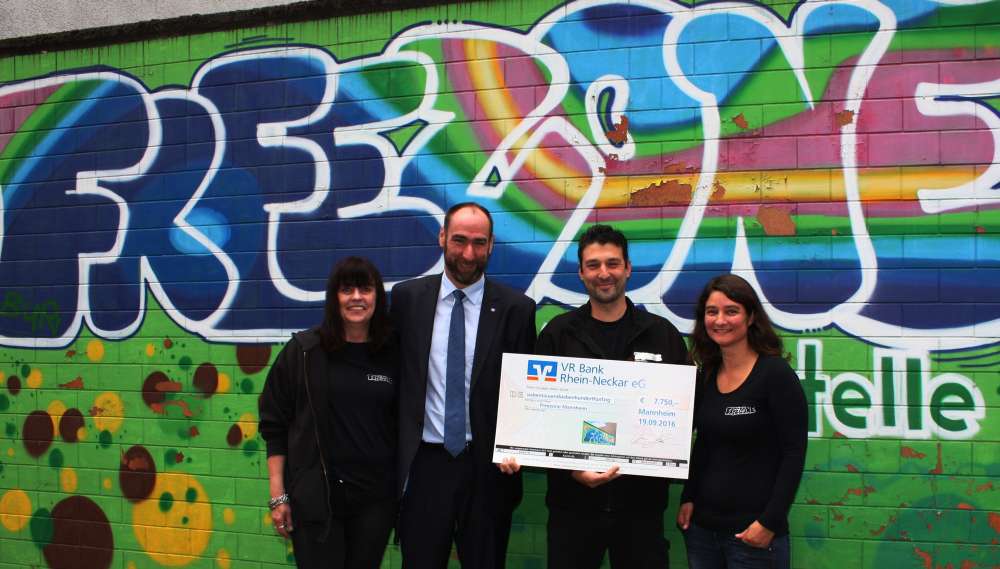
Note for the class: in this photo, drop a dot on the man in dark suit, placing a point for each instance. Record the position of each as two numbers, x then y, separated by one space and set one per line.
454 329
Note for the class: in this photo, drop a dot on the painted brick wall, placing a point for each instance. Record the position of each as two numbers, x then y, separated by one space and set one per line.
170 209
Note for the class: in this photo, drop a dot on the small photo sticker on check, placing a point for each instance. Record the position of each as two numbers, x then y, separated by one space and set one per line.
599 433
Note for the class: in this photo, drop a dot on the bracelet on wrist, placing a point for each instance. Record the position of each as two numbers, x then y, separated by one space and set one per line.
277 501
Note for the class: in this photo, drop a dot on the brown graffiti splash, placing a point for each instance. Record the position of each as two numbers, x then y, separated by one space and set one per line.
81 535
151 392
137 474
741 121
668 192
234 436
775 221
253 357
206 379
70 424
37 432
14 384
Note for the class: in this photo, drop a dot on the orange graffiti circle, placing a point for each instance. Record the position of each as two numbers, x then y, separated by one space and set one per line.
15 510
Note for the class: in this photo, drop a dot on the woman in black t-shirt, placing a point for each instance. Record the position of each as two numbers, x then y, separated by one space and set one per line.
751 417
328 413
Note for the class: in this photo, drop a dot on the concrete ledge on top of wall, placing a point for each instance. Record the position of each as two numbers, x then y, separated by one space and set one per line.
175 17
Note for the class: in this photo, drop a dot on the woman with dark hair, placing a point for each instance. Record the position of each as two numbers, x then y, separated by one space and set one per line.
750 416
328 413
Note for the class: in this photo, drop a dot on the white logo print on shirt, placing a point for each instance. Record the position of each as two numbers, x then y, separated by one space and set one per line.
742 410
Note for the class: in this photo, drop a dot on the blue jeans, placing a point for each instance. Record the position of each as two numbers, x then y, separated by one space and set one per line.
708 549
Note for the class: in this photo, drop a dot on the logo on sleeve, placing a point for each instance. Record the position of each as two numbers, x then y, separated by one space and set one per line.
541 369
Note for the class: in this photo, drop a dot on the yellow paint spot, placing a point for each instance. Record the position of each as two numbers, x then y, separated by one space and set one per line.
3 376
176 536
81 433
56 410
68 480
267 520
150 350
95 350
222 559
34 378
15 510
228 516
10 451
224 383
131 565
108 411
248 424
106 483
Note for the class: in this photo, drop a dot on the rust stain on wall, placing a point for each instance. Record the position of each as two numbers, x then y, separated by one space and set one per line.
939 467
610 165
668 192
672 167
741 121
844 117
776 221
74 384
925 557
718 191
620 133
994 519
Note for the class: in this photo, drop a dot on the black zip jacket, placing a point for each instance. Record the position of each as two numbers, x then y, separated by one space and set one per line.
568 335
296 388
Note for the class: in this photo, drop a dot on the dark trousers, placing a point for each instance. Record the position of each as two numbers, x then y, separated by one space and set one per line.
709 549
443 503
358 535
578 540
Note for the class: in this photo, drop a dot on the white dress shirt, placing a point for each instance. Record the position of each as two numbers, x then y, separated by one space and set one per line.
437 364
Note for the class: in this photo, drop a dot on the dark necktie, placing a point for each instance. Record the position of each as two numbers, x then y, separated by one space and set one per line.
454 393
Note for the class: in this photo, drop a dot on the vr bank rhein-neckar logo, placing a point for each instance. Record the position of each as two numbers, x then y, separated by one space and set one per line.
542 369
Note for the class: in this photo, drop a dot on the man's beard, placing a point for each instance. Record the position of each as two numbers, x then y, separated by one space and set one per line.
468 276
600 297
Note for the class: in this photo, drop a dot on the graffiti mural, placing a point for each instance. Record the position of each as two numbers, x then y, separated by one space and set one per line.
169 218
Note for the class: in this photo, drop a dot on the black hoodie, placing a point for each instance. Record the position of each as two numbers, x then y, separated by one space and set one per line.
295 422
569 335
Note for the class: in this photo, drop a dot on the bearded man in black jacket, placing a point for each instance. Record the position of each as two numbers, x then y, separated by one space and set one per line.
591 513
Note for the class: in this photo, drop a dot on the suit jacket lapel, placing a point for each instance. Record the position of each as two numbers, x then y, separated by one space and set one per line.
489 320
425 311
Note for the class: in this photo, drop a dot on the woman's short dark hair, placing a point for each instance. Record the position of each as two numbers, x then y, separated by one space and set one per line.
760 333
354 271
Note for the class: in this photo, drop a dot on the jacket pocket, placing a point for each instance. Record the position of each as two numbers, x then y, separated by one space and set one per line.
308 496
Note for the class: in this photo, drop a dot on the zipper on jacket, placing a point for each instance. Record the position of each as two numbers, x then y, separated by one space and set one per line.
322 461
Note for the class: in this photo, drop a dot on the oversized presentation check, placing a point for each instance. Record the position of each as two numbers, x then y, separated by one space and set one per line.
587 414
